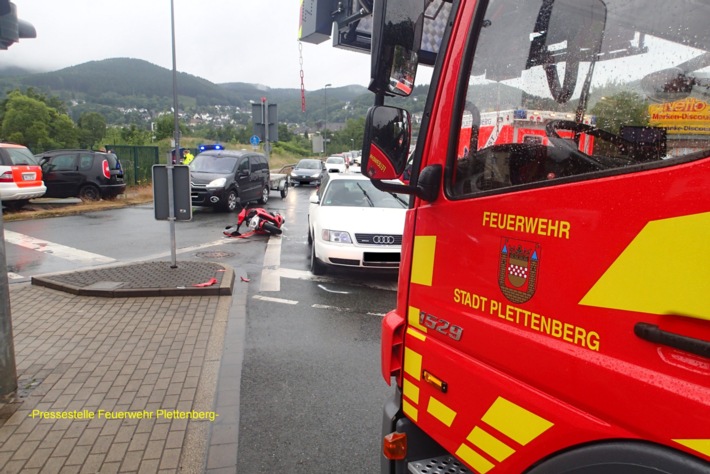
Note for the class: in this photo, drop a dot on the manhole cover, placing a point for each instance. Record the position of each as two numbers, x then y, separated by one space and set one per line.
214 254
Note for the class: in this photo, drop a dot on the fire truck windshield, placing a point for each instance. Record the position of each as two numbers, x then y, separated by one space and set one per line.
564 88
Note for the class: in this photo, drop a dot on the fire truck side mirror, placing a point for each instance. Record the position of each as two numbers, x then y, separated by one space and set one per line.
386 143
397 27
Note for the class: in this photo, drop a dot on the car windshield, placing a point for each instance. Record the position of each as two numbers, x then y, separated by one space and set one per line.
335 160
213 164
308 164
361 193
21 156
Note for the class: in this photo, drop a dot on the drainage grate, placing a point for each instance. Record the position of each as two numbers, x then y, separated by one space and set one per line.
214 254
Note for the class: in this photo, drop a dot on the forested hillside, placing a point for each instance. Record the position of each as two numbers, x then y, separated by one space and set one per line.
133 84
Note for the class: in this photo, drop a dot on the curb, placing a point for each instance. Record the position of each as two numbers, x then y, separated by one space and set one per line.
144 279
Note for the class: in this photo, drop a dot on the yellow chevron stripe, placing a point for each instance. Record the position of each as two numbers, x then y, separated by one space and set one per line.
423 259
700 445
473 459
410 410
515 422
413 363
414 333
413 318
410 391
493 447
664 270
440 411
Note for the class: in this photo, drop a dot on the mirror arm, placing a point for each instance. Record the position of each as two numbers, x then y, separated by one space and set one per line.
427 187
429 182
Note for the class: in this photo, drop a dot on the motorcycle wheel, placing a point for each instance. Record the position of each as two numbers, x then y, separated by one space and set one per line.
271 228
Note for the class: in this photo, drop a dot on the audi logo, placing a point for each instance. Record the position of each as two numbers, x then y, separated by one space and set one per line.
383 239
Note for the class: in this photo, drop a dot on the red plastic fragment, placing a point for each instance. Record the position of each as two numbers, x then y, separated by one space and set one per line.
211 282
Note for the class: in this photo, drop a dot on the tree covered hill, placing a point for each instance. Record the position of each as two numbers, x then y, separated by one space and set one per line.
137 84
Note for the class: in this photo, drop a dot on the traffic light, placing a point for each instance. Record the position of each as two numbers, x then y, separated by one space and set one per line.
12 28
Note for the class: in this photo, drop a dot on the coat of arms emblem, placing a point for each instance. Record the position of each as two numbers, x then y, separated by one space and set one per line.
518 269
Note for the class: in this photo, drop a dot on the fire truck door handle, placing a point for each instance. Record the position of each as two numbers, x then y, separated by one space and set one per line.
652 333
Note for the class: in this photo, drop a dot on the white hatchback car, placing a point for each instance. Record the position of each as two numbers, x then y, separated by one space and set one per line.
353 224
336 164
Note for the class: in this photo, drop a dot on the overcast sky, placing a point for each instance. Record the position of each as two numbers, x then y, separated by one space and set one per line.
252 41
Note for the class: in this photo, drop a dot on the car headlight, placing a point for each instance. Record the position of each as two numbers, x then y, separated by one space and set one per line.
339 236
217 183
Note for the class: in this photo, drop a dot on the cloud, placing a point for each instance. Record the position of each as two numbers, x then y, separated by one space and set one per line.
219 40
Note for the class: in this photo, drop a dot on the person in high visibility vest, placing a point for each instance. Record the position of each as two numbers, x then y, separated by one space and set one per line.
187 157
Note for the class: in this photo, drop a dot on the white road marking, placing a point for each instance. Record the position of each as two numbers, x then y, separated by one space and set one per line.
274 300
322 287
14 276
327 306
306 275
270 278
57 250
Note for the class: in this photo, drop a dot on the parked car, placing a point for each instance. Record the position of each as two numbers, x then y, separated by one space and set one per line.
353 224
225 179
336 164
307 171
86 174
20 176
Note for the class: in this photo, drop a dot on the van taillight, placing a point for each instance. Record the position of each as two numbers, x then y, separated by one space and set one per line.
107 172
6 177
392 346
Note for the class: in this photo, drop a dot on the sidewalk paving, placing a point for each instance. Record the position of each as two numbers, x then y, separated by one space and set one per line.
147 353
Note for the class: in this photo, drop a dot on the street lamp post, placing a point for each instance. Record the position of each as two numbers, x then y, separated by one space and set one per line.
325 123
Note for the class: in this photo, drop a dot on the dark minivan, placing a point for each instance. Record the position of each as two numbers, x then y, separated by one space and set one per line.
86 174
225 179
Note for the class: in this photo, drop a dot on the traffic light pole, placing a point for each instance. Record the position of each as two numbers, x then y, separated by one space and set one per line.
8 370
170 165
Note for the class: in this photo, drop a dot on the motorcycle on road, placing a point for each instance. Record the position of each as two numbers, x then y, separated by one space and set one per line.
259 221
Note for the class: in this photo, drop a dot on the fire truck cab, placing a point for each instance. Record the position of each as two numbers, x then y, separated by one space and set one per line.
552 312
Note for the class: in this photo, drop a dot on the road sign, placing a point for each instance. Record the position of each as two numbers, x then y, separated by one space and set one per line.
182 201
254 140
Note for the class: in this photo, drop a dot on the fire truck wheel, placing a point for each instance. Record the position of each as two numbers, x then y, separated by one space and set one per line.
619 457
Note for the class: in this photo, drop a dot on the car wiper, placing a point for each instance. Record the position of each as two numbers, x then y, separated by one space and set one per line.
396 196
369 201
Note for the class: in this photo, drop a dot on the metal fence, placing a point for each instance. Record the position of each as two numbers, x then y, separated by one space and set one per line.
137 162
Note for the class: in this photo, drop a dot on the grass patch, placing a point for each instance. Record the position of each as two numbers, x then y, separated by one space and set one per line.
37 209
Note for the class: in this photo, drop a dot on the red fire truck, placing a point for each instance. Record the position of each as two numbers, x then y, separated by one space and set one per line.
553 310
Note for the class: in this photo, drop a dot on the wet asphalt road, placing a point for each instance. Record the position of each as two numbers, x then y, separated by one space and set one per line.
311 389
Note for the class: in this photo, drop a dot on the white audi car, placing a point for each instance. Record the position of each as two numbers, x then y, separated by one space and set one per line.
353 224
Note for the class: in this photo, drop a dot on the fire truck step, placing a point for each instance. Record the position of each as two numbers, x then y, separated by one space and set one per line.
440 465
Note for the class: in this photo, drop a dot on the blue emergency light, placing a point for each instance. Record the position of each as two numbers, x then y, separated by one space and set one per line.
211 147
